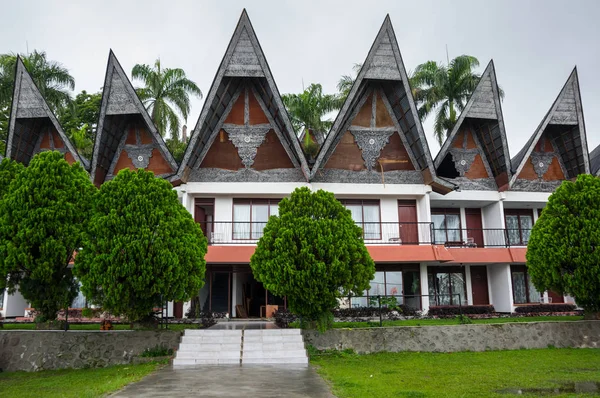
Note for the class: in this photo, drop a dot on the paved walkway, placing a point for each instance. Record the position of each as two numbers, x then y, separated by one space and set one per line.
230 381
238 325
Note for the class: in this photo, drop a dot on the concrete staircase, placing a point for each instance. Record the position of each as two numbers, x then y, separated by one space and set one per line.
239 347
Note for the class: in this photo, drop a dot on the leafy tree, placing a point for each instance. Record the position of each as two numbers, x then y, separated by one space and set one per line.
308 108
9 169
80 120
177 147
142 247
313 253
43 216
52 79
444 89
167 92
346 81
563 251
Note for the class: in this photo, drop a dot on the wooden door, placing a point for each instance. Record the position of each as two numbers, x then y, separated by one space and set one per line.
178 309
479 284
474 226
556 297
407 216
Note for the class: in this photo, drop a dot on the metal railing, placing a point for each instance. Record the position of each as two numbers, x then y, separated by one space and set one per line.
381 233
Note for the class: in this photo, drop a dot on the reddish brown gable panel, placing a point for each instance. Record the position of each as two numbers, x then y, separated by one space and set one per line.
58 142
145 136
123 163
554 172
471 141
131 139
347 155
477 169
363 118
158 164
257 116
69 158
271 154
45 143
394 155
382 116
222 154
236 115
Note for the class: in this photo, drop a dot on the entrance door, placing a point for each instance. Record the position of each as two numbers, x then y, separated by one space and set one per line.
204 210
407 216
178 309
479 284
474 226
411 288
556 297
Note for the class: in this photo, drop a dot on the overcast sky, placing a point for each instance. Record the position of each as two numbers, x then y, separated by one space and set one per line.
534 44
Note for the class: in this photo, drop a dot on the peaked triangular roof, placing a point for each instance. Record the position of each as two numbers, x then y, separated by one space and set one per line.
565 111
119 99
383 66
243 65
30 112
595 161
484 104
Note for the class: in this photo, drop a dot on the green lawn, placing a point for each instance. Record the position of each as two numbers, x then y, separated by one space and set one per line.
95 326
72 382
462 374
454 321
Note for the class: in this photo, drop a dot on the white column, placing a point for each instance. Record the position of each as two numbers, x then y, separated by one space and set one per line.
424 288
186 308
501 294
469 285
234 282
463 224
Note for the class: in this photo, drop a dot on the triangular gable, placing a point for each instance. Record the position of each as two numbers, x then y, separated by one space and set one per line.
126 137
33 128
243 73
383 74
595 161
558 148
481 121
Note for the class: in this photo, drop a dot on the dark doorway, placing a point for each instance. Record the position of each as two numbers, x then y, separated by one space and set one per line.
220 291
479 284
474 226
204 210
556 297
178 309
407 217
411 288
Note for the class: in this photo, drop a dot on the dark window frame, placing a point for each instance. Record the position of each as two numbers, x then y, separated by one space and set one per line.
521 268
518 213
445 211
362 203
433 270
251 202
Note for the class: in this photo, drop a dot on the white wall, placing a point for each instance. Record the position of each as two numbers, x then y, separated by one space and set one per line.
14 305
469 285
424 288
501 296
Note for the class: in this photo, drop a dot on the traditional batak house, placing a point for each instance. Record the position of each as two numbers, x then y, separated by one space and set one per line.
442 232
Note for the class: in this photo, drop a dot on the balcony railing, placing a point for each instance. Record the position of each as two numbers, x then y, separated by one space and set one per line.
380 233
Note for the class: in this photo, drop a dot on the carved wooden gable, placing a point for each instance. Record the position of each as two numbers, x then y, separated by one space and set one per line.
127 137
558 148
33 128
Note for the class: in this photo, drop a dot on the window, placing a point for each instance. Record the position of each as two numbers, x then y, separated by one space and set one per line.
446 225
518 226
523 290
390 283
366 215
251 215
447 285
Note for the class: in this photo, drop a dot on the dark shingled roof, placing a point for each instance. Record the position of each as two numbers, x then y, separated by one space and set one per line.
120 106
384 70
484 107
30 115
243 65
595 161
565 124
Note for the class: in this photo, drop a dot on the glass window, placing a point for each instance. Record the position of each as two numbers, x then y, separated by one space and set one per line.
385 283
446 286
518 226
523 289
250 217
446 225
367 216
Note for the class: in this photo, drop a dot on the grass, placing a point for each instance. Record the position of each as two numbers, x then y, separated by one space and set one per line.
92 326
462 374
73 382
454 321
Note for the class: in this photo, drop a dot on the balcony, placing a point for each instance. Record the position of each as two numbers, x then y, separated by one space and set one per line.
381 233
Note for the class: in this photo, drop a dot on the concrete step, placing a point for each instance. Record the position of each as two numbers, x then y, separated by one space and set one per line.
208 355
254 346
271 332
272 339
204 346
211 340
212 333
195 362
287 361
273 354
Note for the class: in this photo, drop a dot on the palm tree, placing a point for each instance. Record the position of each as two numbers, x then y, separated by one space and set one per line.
51 78
445 89
346 81
166 93
308 108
